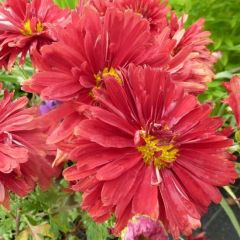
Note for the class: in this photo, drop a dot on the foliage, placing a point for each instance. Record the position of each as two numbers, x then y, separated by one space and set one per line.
54 214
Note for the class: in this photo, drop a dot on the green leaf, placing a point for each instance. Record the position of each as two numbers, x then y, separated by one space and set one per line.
36 232
95 231
231 215
232 194
225 74
60 221
23 235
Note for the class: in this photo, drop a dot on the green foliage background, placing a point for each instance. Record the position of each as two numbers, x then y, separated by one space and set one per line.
67 3
55 214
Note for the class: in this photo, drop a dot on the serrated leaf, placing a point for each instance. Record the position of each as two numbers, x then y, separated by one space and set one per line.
36 232
24 235
41 230
60 221
95 231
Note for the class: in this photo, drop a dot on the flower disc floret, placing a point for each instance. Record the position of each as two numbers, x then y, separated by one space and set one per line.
27 28
108 72
160 155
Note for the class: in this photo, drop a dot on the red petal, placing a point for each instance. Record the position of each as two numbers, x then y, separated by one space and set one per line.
211 168
118 167
110 118
103 134
180 210
145 201
201 192
110 193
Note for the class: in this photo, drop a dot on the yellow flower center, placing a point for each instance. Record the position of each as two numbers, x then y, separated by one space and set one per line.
39 27
27 29
107 72
160 155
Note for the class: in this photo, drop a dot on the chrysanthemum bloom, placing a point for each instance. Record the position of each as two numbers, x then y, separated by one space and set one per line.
192 66
233 100
196 68
154 11
150 150
24 158
96 50
91 48
26 26
143 227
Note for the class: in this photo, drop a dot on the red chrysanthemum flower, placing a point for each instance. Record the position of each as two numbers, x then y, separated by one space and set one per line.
90 48
191 62
26 26
233 100
154 11
196 68
151 150
95 49
24 158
